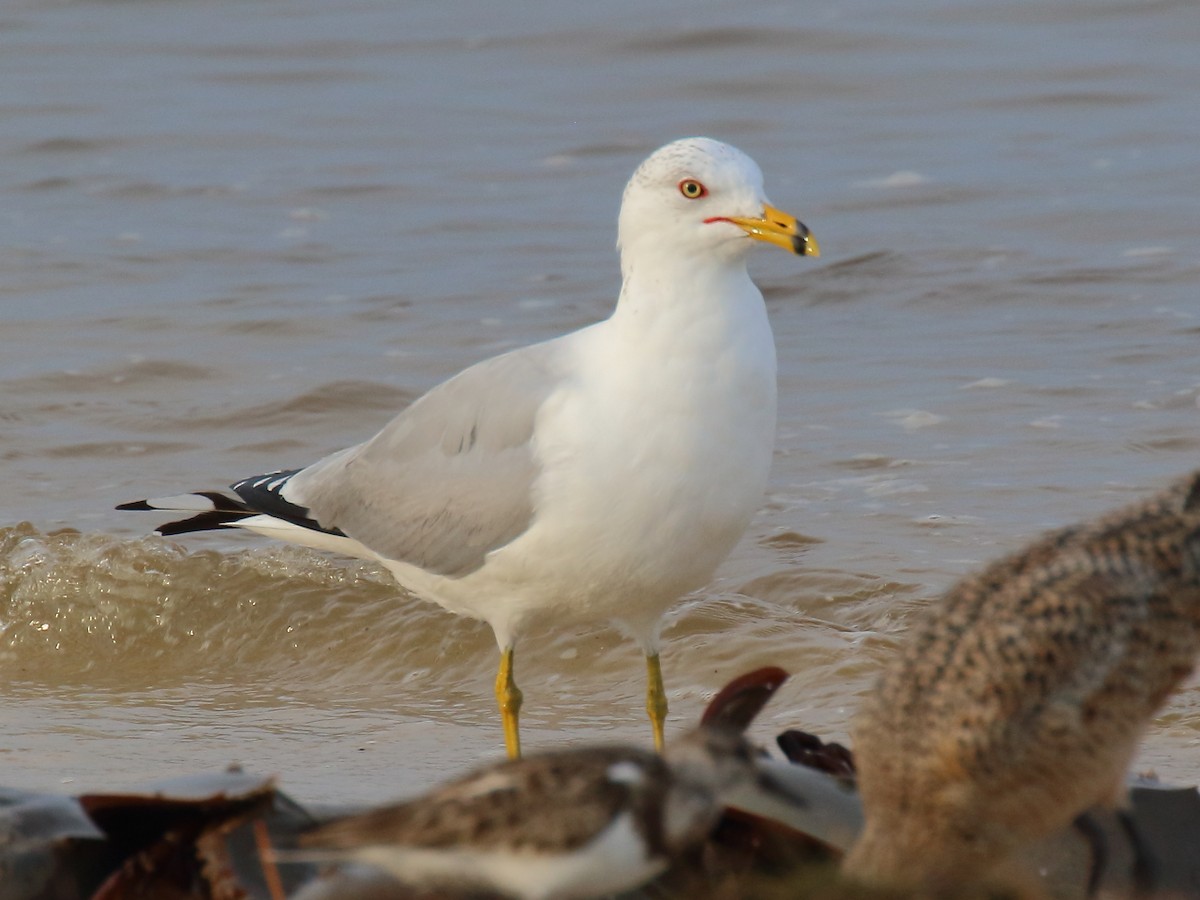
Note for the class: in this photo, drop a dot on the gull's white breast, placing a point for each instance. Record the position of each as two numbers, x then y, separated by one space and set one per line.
654 451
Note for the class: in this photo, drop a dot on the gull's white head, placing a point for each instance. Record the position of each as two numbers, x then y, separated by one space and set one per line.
698 197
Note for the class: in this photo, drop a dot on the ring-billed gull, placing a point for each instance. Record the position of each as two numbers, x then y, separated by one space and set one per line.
597 476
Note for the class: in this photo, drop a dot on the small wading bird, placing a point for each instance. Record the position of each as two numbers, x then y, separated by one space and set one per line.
597 476
587 822
1018 701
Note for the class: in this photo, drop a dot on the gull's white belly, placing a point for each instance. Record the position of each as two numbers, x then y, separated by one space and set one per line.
649 479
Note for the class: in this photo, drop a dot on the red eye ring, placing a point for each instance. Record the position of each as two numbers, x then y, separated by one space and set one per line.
692 189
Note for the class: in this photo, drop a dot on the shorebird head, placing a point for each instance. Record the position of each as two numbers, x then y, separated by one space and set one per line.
705 764
715 760
700 197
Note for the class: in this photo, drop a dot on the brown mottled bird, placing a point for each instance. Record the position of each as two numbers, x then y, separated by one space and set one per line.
575 823
1018 701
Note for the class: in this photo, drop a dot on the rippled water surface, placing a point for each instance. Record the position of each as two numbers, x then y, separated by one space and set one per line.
238 236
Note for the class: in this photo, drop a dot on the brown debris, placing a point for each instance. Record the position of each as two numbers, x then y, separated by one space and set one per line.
806 749
198 841
212 838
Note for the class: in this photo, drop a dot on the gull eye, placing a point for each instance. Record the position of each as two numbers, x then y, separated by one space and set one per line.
692 189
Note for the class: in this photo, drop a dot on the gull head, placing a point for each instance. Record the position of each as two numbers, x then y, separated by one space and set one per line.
700 198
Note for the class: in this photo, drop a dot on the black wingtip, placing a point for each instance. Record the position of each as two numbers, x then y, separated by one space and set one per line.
264 494
205 521
138 505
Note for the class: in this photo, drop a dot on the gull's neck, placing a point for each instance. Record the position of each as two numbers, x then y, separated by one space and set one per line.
685 289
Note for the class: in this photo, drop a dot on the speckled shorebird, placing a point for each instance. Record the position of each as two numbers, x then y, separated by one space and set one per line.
597 476
576 823
1017 702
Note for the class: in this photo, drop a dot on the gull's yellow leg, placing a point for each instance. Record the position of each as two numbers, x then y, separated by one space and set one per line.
509 696
656 699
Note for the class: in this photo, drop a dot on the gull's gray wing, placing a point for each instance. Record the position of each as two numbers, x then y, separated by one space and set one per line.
449 479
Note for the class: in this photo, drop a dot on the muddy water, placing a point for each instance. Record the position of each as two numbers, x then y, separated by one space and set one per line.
238 236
